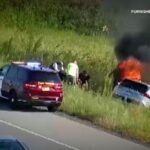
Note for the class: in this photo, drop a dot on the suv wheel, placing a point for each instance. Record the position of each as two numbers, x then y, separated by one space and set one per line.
13 100
51 108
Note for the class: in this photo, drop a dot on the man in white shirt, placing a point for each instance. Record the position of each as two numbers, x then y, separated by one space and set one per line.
59 68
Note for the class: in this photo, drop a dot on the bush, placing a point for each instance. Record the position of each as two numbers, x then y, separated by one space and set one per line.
86 17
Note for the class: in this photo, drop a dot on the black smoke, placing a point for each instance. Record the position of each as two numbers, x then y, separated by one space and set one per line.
134 45
133 28
127 21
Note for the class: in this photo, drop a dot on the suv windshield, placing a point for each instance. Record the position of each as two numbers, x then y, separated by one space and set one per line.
135 86
44 76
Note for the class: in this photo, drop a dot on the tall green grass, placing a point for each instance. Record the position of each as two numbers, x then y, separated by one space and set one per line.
31 28
127 119
93 53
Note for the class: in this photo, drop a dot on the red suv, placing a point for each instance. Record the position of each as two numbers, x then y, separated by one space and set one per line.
33 84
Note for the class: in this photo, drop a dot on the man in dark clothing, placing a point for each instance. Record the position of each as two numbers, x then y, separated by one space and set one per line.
116 77
84 78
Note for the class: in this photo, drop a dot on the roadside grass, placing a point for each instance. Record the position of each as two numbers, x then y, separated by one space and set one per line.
93 53
128 120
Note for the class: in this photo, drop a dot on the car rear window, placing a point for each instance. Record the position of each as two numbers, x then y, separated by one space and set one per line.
135 86
42 76
10 145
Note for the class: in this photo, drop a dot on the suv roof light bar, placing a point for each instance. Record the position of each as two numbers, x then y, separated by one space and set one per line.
34 65
19 62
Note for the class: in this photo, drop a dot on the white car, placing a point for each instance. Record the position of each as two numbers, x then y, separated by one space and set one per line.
133 91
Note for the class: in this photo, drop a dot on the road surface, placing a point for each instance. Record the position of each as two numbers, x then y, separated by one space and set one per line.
42 130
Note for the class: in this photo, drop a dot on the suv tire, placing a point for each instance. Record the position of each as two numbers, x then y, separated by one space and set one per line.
13 100
52 108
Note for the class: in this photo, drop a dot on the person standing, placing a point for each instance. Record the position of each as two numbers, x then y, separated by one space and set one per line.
84 78
56 66
72 73
59 68
62 73
116 76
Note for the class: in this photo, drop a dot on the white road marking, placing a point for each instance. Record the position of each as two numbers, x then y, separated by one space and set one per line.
37 134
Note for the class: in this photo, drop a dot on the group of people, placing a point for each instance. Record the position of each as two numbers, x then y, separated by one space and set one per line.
71 73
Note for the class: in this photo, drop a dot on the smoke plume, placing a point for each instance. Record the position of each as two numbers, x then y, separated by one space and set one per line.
133 28
134 45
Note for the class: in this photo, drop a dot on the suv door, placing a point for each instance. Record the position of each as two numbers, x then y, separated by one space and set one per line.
3 72
22 78
9 81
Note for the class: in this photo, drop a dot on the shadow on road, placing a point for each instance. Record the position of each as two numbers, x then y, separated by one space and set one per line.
5 105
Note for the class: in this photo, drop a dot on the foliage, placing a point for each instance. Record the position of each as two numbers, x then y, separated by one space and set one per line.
86 17
92 53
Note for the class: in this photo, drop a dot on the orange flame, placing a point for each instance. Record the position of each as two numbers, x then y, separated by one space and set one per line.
131 69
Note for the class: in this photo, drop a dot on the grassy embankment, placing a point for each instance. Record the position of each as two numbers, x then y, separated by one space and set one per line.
127 120
24 35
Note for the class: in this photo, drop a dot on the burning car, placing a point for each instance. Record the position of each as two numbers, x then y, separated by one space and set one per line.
132 85
133 91
132 74
131 68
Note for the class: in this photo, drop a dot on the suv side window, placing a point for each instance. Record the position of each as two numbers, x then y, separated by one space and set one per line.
4 70
12 72
22 74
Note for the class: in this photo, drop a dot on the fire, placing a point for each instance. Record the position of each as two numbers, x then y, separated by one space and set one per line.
131 68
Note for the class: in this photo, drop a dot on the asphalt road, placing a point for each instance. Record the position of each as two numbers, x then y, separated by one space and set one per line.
42 130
